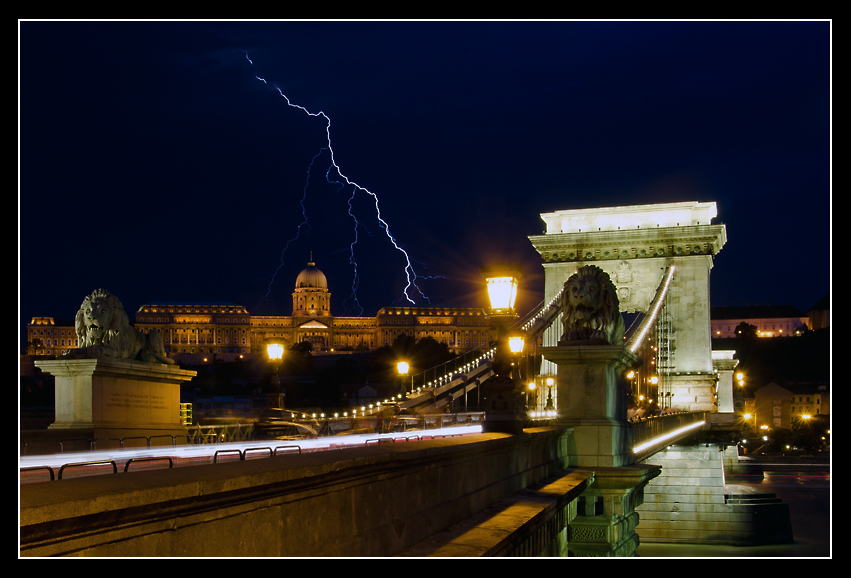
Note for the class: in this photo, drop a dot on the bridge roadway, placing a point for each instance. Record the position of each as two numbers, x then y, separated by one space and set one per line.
651 435
40 468
473 494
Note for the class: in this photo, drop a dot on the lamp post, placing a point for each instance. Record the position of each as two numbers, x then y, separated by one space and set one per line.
275 351
748 416
653 391
550 406
402 367
532 390
504 403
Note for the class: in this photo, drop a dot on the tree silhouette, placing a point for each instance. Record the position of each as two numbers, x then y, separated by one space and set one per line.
745 330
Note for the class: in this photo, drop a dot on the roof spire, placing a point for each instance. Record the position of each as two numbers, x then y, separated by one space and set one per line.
311 263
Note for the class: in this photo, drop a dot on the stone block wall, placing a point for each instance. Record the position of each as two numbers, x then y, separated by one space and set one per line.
689 503
369 501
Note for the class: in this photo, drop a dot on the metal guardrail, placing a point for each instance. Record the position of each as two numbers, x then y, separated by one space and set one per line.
63 442
151 459
37 468
333 426
216 455
95 463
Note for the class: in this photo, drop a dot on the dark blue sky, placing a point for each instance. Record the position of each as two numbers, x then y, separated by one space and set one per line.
153 162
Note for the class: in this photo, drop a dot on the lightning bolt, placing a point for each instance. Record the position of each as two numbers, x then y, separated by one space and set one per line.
304 223
411 290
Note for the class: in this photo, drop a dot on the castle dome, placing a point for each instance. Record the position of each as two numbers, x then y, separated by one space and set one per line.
311 278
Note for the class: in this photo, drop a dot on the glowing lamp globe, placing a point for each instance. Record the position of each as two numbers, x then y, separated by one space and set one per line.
275 351
502 280
515 344
402 366
502 291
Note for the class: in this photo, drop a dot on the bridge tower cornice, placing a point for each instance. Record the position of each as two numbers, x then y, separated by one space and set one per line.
608 245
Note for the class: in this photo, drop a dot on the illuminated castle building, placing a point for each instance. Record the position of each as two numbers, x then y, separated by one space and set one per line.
49 337
461 329
202 331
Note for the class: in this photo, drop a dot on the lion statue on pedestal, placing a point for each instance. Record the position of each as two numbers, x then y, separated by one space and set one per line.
591 308
103 330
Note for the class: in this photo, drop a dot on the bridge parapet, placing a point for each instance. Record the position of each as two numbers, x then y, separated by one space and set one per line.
655 433
375 500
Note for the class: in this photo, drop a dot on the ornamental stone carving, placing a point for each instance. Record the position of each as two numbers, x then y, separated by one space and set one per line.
103 330
591 308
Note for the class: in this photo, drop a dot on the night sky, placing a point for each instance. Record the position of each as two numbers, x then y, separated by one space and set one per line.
154 163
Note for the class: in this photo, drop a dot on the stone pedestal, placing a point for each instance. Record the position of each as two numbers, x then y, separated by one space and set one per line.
606 519
592 399
504 411
117 398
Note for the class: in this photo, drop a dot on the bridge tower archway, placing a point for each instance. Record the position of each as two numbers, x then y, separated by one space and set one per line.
634 245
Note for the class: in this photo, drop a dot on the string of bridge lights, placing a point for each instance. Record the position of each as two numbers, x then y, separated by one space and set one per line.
366 410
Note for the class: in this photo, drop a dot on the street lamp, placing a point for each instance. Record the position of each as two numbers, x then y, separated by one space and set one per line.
654 390
402 368
502 280
275 351
748 416
504 396
550 406
533 392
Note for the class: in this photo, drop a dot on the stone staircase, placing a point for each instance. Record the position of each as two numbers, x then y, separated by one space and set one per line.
690 503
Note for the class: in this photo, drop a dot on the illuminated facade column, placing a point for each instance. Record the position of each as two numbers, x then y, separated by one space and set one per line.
725 364
634 245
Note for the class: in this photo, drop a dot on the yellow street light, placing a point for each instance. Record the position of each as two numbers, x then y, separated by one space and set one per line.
502 281
402 368
516 343
275 351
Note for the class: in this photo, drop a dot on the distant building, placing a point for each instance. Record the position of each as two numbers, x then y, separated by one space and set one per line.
769 320
362 395
197 332
779 406
49 337
819 314
222 406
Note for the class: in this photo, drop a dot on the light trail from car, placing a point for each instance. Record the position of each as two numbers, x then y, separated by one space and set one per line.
188 455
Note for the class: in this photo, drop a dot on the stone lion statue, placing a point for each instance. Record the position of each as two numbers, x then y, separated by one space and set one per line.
591 308
103 330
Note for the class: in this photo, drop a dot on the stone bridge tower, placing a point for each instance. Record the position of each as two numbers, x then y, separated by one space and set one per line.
634 245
